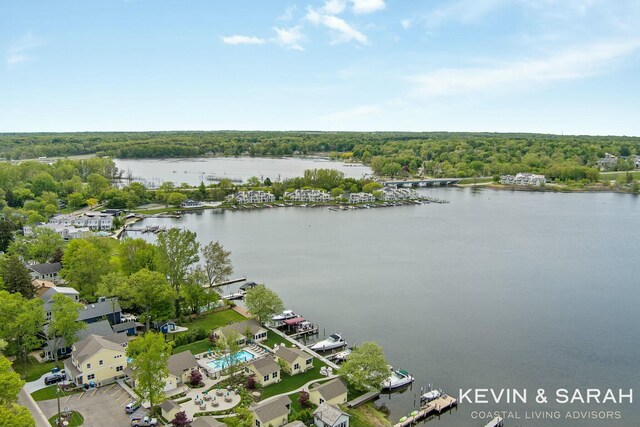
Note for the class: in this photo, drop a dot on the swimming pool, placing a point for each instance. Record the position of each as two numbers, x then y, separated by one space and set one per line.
239 357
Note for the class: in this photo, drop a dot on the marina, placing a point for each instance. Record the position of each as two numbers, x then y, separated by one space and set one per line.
435 407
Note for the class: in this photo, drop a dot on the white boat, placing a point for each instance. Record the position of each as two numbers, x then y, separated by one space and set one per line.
285 315
398 378
430 395
343 355
334 341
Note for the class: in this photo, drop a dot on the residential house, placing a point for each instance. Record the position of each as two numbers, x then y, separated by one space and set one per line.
273 413
207 422
608 162
330 416
361 198
333 392
294 360
244 328
47 298
299 195
167 327
42 286
295 424
636 161
67 232
101 328
168 410
96 360
390 194
523 179
180 366
191 204
46 271
128 327
253 196
266 370
104 308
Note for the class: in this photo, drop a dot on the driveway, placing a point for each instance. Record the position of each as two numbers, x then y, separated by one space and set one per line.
103 407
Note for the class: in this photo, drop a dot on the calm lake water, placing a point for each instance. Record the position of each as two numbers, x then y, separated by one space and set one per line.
495 290
193 171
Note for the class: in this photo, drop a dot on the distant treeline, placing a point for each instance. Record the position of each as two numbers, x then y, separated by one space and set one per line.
437 154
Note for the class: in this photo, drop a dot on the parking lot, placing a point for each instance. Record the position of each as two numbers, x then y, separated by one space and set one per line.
102 407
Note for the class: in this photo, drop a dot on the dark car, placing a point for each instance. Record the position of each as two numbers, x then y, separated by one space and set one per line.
53 379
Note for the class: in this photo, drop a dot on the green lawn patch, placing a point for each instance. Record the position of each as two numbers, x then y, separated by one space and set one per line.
75 419
293 382
367 415
195 347
49 392
352 393
34 369
273 339
216 319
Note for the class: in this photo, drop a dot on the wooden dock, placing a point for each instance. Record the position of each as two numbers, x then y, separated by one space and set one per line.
229 282
306 332
436 406
496 422
367 397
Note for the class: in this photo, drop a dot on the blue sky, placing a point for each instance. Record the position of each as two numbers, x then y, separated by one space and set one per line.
551 66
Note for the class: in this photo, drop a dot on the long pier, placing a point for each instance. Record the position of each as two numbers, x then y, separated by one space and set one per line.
427 182
436 406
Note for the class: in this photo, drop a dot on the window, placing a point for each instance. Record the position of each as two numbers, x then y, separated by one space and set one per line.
101 362
342 424
88 365
296 366
266 378
321 401
309 361
118 368
91 376
257 423
275 375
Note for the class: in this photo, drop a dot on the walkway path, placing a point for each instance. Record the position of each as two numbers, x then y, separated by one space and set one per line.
25 399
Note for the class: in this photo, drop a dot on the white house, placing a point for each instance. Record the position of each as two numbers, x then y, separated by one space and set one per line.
523 179
299 195
191 204
392 194
330 416
253 196
361 198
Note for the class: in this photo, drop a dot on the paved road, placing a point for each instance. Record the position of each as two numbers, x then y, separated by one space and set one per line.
25 400
103 407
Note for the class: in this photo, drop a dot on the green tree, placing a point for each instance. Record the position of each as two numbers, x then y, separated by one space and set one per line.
136 254
12 414
177 252
371 187
97 184
263 303
150 355
243 418
366 367
84 262
150 291
201 192
16 277
175 199
7 230
229 346
195 295
64 325
76 200
217 263
21 321
43 244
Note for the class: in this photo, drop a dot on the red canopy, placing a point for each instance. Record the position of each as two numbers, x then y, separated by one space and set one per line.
294 321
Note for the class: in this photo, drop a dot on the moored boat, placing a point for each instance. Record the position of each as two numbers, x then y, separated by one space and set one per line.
398 378
285 315
334 341
430 395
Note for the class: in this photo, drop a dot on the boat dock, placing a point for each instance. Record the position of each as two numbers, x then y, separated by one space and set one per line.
305 332
436 406
496 422
361 400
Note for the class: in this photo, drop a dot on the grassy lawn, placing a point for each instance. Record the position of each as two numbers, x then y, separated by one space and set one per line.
290 383
352 393
195 347
367 416
34 369
475 180
48 393
75 421
614 175
273 339
215 320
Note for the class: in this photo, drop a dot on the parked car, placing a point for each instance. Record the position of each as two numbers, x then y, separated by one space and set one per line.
144 422
132 407
53 379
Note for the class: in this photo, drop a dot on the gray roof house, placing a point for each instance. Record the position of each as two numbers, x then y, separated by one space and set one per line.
258 332
180 366
207 422
45 271
330 416
104 308
273 412
101 328
47 298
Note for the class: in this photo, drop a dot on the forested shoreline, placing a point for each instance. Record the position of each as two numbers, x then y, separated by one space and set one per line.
438 154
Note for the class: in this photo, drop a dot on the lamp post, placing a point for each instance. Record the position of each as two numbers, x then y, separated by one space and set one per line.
59 420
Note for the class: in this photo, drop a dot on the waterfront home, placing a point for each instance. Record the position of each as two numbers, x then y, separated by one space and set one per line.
636 162
273 413
253 196
308 196
266 370
96 360
67 232
294 360
608 162
246 329
169 409
180 366
330 416
45 271
191 204
361 198
101 329
126 327
523 179
95 221
47 298
333 392
294 424
104 308
391 194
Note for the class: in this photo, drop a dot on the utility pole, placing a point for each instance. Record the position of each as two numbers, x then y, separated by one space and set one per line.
59 420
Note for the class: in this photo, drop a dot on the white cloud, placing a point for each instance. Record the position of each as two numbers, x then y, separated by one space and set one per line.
21 49
334 7
406 23
288 14
342 31
238 39
289 37
579 63
367 6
